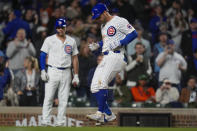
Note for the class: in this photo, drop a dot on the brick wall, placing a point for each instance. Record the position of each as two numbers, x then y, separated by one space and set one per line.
31 116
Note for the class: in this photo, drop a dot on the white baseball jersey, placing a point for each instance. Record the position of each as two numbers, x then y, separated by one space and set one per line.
59 54
115 30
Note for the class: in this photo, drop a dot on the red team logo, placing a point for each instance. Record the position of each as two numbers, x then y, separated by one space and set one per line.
68 49
111 31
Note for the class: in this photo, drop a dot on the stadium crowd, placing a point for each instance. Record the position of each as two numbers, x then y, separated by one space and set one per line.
162 60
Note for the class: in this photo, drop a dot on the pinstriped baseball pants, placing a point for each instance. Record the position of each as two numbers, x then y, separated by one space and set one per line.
58 79
111 64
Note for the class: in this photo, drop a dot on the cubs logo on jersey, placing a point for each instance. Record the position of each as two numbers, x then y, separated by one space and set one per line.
111 31
68 49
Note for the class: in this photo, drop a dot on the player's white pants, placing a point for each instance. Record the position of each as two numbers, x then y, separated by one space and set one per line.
58 79
106 71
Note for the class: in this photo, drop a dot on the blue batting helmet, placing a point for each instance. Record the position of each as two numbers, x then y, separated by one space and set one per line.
61 22
98 9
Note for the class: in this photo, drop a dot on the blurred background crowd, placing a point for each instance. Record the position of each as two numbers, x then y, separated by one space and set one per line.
162 60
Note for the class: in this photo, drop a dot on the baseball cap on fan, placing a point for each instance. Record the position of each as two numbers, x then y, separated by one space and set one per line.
193 20
98 9
143 77
170 42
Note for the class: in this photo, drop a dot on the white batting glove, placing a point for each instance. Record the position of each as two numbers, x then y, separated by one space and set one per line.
93 46
114 45
44 76
75 80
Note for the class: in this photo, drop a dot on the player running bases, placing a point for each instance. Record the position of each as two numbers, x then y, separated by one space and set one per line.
116 33
62 51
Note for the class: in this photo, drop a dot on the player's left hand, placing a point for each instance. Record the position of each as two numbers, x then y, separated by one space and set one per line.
113 45
75 80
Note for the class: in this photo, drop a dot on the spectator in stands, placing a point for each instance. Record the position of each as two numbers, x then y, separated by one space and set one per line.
26 82
189 94
176 7
63 10
31 17
155 23
190 15
163 27
158 48
146 43
86 62
78 31
142 92
18 50
189 39
166 94
178 25
50 21
142 9
192 65
5 77
165 4
15 23
124 6
41 34
44 17
122 94
86 6
73 10
171 65
139 64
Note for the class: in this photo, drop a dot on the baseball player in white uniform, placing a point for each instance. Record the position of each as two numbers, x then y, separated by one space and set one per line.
61 50
116 33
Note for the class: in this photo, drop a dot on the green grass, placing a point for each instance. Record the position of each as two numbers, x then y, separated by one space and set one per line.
93 129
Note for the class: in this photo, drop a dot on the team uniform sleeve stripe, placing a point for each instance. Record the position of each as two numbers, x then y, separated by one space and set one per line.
130 37
43 60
